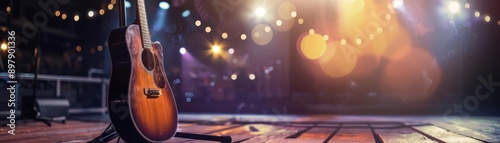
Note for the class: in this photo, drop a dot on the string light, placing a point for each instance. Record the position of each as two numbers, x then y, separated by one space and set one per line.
243 36
76 18
91 13
63 16
224 35
101 12
7 9
293 14
197 23
477 14
208 29
110 6
57 13
278 22
487 18
99 48
300 21
311 31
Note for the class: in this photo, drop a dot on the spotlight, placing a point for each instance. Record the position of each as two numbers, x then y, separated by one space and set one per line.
260 11
127 4
186 13
164 5
215 49
453 7
182 50
398 3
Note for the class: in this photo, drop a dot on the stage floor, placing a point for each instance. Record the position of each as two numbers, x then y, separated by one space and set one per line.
286 128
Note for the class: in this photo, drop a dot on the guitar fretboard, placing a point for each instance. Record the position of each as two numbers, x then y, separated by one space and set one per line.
143 23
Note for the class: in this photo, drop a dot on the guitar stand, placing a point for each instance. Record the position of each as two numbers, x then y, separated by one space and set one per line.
110 134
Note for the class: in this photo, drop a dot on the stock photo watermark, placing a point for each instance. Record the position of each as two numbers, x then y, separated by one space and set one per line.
482 92
12 81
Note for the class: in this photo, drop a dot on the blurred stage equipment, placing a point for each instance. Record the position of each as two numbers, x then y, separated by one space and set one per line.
48 109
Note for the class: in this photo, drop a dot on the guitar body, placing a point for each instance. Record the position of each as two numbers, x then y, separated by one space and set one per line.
140 100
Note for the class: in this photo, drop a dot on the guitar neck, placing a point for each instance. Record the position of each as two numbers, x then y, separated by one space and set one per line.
143 24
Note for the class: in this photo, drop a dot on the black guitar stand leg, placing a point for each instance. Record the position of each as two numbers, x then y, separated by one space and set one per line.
106 136
222 139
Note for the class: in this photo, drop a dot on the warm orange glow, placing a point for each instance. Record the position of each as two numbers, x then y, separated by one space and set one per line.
110 6
99 48
78 48
414 77
4 46
101 12
57 13
63 16
313 46
216 49
351 7
338 60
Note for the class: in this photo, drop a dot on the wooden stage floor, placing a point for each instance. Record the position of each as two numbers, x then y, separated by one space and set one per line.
286 128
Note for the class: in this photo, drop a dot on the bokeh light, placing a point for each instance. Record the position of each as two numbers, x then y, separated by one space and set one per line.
278 22
351 7
110 6
78 48
208 29
487 18
63 16
76 18
4 46
293 14
338 60
101 12
99 48
243 36
230 51
251 76
58 13
313 46
197 23
91 13
477 14
262 34
467 5
285 10
300 21
224 35
234 77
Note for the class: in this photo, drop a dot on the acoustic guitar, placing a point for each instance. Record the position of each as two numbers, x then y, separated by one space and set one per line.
140 100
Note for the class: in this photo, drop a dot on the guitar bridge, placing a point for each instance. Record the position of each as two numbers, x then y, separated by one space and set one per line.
152 93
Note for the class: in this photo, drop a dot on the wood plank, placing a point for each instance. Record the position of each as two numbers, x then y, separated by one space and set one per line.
445 135
401 135
477 134
359 135
200 129
316 134
277 136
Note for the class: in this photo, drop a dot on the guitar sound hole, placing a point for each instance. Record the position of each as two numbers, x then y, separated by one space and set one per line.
148 59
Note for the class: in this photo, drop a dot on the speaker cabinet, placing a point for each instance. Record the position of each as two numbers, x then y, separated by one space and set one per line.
52 109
